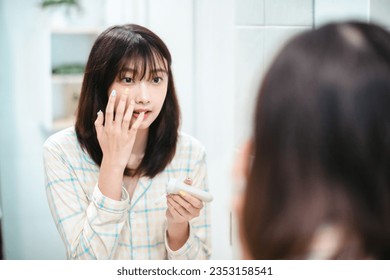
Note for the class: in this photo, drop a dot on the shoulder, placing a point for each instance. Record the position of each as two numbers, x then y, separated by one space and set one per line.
63 140
190 145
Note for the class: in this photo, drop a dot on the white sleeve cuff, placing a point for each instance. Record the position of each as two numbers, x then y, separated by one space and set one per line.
184 250
108 204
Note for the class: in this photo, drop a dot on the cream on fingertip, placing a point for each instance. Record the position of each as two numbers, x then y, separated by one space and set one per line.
113 92
182 193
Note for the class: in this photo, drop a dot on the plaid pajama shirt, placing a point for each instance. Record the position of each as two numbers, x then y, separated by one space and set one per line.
94 226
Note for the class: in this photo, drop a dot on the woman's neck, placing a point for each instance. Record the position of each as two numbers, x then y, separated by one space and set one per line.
139 147
138 152
140 142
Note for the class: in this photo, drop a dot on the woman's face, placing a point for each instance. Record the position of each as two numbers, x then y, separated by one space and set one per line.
148 94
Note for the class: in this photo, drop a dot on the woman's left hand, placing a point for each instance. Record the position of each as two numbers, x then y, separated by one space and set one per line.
183 207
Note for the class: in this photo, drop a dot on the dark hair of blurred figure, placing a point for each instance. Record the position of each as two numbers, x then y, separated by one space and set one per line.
318 184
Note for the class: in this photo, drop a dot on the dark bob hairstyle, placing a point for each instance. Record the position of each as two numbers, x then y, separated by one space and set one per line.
321 146
110 54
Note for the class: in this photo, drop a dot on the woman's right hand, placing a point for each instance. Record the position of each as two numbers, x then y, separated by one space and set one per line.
116 138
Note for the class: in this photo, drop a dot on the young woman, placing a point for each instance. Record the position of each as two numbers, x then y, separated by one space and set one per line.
106 177
317 171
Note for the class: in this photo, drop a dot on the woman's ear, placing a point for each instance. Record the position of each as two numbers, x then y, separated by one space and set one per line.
247 152
241 173
242 164
238 208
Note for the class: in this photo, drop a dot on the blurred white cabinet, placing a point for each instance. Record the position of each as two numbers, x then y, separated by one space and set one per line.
69 51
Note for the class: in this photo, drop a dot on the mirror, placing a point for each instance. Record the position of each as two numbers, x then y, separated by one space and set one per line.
221 50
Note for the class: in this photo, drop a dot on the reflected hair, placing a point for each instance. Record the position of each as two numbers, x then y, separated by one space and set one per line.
110 56
321 146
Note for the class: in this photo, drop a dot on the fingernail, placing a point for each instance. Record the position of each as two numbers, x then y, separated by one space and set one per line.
100 111
113 92
188 180
132 102
182 193
126 91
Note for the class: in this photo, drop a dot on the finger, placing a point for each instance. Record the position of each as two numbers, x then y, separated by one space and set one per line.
191 199
110 108
181 210
99 122
183 203
120 109
188 181
138 122
127 117
187 205
173 214
195 202
168 213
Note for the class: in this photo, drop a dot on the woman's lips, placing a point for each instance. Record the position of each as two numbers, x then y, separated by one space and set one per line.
137 113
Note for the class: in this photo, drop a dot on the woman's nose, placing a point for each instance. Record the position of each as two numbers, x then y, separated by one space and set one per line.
142 95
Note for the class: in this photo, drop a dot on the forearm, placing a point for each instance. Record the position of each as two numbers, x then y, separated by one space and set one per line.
177 235
110 179
95 233
80 217
89 245
196 247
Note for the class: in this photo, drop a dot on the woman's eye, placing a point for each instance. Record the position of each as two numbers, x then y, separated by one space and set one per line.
156 80
127 80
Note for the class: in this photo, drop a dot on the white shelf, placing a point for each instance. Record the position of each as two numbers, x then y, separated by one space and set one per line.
68 45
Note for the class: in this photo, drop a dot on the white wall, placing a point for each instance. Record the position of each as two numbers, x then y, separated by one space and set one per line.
28 230
262 27
215 109
380 12
376 11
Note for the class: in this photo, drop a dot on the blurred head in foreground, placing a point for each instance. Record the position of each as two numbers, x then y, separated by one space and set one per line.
317 170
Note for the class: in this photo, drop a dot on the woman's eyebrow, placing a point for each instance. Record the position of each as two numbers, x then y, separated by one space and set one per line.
127 69
159 70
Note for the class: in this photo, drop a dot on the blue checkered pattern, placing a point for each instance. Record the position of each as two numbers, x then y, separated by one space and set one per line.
94 226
